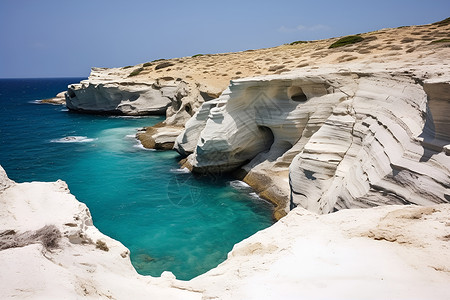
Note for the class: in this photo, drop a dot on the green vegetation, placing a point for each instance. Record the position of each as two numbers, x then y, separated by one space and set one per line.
136 72
441 41
197 55
443 22
127 67
164 65
298 42
147 64
348 40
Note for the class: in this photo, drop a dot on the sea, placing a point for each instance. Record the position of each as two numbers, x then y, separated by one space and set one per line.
169 218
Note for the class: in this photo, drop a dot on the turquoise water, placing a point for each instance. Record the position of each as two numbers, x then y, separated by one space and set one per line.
169 219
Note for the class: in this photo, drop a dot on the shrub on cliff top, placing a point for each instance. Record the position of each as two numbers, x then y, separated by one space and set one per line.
441 41
48 236
197 55
298 42
127 67
164 65
443 22
348 40
101 245
136 72
147 64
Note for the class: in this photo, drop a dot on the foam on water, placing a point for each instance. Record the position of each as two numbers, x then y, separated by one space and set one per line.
180 171
169 218
73 139
238 184
35 102
141 147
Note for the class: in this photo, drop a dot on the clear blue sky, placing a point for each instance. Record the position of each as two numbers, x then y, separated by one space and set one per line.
57 38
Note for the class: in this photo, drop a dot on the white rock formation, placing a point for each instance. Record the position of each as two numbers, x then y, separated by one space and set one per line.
79 267
106 92
113 91
391 252
357 137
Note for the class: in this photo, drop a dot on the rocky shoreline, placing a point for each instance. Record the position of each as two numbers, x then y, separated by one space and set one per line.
396 252
315 130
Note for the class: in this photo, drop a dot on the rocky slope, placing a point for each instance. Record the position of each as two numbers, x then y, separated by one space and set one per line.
49 249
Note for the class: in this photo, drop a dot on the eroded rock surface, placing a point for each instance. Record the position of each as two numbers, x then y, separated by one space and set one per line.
202 78
51 250
328 140
108 91
390 252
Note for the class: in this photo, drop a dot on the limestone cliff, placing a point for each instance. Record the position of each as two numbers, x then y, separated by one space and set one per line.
107 91
182 84
327 139
355 126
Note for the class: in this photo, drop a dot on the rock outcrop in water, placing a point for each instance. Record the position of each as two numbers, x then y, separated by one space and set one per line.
109 92
115 91
359 137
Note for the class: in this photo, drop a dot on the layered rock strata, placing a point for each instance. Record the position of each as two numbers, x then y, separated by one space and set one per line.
111 93
328 140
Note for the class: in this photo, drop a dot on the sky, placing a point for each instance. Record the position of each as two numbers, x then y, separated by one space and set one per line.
57 38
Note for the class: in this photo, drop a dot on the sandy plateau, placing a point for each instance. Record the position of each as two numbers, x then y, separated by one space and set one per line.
339 139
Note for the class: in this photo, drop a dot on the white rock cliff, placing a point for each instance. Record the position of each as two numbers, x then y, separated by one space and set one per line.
108 92
357 137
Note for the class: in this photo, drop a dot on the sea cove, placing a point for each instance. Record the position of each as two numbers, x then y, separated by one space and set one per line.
161 174
167 217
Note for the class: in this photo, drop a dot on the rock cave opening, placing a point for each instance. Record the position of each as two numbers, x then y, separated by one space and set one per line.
296 94
267 137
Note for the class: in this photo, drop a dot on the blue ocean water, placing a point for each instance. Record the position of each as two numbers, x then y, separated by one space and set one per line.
168 218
